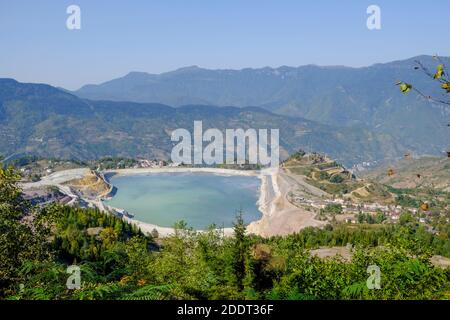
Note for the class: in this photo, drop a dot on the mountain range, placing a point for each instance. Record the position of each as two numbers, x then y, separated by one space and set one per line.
42 120
335 95
352 114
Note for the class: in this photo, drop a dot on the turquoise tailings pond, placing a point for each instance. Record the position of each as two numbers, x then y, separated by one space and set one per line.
200 199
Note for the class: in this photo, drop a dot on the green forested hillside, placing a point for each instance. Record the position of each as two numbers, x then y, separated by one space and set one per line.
117 262
44 121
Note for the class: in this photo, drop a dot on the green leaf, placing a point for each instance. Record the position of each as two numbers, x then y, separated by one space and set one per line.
439 71
446 86
405 87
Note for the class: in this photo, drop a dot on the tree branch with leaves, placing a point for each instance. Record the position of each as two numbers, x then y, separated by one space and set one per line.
440 75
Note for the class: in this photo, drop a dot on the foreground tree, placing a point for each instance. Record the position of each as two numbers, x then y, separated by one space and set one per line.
24 231
240 251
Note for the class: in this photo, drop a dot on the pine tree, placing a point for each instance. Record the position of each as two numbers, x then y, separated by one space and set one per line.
240 250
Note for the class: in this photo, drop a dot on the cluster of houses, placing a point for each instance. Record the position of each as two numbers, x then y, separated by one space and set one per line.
144 163
363 166
392 212
27 171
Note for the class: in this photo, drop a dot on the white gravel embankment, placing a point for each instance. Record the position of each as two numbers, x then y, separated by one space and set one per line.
58 179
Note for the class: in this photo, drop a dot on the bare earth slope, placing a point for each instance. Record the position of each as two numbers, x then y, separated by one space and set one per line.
428 172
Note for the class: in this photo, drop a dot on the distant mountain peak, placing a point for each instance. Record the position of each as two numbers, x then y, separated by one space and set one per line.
8 80
187 69
136 73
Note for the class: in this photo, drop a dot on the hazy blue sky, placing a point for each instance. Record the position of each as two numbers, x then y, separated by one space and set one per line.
156 36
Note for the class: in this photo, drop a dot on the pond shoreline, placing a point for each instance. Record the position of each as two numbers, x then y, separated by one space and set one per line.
279 216
263 202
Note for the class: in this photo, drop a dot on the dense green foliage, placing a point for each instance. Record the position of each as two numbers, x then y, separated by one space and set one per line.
87 234
407 201
414 197
336 178
23 234
333 208
118 262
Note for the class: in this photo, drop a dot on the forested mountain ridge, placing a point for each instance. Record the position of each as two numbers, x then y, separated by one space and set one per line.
45 121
